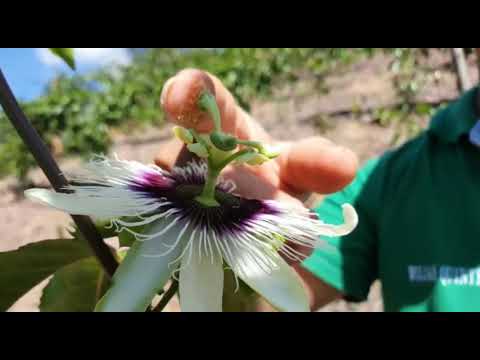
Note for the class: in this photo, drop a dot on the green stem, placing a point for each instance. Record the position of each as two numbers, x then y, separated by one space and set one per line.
207 197
208 103
232 158
198 138
172 290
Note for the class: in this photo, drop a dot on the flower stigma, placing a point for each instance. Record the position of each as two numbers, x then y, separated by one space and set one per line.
219 149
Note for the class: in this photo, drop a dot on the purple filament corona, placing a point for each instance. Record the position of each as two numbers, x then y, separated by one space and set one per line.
234 213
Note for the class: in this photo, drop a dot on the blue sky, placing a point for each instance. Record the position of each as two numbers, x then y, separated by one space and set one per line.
28 70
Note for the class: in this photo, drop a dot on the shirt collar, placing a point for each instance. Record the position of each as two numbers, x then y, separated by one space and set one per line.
457 119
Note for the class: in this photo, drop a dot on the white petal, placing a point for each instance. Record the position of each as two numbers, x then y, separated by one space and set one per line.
142 274
281 287
106 192
66 202
101 202
350 219
201 283
298 226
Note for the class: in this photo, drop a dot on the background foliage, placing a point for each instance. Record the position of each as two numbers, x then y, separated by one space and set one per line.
79 111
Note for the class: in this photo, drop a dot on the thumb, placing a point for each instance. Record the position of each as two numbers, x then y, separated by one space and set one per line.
179 100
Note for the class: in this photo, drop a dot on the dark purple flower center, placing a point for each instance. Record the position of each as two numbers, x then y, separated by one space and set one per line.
181 193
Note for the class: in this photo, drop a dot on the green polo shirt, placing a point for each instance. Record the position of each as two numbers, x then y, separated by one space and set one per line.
419 221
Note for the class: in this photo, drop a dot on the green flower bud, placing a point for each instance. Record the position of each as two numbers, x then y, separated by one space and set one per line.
122 252
222 141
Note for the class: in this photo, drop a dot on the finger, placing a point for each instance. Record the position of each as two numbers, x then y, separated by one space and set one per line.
316 165
168 153
179 101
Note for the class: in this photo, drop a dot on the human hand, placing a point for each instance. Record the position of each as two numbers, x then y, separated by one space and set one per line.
310 165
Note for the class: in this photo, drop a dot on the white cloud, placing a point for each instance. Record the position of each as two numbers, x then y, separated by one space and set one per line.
47 58
102 56
88 56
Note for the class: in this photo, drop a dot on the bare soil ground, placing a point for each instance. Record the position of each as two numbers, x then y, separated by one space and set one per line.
294 113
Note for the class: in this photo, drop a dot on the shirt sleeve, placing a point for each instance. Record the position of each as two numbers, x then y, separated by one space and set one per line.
349 263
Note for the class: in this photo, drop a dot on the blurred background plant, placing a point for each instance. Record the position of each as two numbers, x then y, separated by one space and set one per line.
75 114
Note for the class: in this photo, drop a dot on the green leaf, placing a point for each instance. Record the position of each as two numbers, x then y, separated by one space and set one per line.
75 288
66 54
243 299
423 109
22 269
126 239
